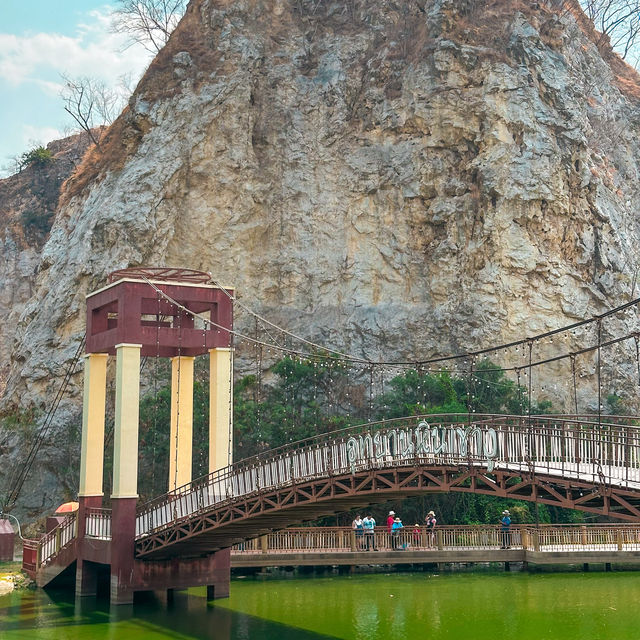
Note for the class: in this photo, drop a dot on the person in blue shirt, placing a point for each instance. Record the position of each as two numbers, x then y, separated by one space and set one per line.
505 526
369 532
395 534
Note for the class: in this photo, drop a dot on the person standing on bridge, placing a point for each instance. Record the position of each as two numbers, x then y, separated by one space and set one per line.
358 526
391 517
369 532
505 527
390 520
395 534
431 528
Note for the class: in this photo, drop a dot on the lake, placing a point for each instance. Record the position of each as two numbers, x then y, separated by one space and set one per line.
479 605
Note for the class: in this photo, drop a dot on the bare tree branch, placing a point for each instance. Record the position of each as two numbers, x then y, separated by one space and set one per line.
148 22
90 103
619 20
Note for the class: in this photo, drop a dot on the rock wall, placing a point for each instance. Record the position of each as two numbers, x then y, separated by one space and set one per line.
396 179
28 201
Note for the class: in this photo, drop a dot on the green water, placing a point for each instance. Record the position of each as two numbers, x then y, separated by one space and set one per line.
592 606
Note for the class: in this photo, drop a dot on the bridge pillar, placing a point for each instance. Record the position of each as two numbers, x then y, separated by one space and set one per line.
91 461
181 434
93 410
220 416
125 472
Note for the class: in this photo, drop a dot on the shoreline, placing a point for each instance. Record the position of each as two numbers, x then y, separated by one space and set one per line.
12 578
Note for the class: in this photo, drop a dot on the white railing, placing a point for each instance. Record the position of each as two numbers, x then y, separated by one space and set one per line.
596 452
53 542
98 523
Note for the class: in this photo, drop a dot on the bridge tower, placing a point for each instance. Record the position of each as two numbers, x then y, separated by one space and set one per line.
172 313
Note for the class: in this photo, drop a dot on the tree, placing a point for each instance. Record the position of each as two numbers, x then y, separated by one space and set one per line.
619 20
148 22
38 157
90 102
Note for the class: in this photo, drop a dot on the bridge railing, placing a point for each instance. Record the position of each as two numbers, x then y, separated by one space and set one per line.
595 451
545 538
50 544
98 523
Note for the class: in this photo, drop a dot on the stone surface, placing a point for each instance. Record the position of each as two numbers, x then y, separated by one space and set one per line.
397 179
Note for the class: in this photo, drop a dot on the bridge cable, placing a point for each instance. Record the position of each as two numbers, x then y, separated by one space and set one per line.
19 478
599 365
575 386
230 411
155 401
476 353
177 401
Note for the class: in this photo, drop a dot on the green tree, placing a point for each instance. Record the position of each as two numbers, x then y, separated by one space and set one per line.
38 157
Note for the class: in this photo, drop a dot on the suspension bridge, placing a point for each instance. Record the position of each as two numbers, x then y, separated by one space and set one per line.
184 537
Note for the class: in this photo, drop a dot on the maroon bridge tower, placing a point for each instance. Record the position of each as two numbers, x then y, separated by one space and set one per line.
172 313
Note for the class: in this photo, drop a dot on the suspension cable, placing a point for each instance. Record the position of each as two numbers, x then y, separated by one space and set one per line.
20 475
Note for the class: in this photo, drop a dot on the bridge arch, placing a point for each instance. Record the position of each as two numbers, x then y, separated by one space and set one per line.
566 461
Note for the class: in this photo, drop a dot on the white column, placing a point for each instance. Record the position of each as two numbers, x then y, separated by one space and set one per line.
93 410
181 434
125 439
220 413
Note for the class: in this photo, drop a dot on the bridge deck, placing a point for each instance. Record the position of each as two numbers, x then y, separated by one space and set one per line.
336 546
346 558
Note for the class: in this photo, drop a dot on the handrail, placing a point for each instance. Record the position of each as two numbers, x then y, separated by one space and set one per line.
452 418
98 523
549 538
50 544
551 444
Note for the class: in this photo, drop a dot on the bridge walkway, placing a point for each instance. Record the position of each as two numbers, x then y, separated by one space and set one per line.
550 544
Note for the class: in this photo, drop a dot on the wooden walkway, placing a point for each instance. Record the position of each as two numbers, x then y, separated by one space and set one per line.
334 546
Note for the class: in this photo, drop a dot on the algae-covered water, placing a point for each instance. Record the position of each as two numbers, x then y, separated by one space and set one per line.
479 606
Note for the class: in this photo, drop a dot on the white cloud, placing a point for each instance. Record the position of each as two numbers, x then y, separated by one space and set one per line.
94 51
34 136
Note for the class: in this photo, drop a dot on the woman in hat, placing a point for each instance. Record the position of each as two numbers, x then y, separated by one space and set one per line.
505 526
431 528
390 519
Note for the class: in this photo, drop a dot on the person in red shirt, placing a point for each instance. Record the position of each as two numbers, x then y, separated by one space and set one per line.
390 519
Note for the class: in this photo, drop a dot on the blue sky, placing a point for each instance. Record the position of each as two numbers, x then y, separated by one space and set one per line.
41 39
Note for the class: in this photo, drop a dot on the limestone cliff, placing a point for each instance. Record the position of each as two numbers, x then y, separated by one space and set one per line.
399 179
28 202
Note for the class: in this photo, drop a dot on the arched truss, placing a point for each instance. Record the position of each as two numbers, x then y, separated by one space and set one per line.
265 511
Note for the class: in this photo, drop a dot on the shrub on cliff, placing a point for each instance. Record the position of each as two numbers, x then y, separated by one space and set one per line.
38 157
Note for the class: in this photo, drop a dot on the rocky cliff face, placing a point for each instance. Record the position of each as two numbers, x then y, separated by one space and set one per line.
28 202
399 179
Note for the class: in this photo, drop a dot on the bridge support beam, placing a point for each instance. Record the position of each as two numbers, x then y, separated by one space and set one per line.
181 435
91 461
93 410
220 417
125 472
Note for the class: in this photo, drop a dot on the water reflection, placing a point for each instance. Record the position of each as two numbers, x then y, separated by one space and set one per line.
38 614
481 606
